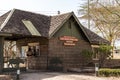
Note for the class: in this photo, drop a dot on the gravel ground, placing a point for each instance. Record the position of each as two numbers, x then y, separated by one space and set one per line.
62 76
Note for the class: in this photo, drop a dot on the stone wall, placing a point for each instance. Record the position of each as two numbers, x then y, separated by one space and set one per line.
70 55
40 61
25 41
37 63
112 63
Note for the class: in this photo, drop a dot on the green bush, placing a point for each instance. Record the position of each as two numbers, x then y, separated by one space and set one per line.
86 57
87 54
109 72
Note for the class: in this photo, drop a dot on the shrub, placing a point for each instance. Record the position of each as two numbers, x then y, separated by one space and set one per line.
104 52
86 53
109 72
86 57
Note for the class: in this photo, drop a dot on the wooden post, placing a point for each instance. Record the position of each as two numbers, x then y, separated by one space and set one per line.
96 69
1 53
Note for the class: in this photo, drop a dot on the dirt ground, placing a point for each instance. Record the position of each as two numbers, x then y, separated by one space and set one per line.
62 76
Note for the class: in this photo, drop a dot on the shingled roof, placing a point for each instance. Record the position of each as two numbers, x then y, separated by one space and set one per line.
94 38
12 22
3 17
57 21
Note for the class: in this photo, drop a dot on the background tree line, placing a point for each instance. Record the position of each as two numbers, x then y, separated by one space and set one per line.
105 14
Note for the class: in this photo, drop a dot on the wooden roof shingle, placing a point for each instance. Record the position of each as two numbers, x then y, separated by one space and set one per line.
57 21
16 26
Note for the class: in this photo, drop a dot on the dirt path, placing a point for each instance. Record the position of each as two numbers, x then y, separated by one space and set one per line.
61 76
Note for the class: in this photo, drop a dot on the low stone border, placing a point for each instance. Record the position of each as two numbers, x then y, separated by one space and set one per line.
5 77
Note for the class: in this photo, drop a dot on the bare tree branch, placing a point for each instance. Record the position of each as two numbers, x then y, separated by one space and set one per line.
117 2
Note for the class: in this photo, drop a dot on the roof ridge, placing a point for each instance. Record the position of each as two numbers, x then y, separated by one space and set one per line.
56 27
61 14
31 12
7 19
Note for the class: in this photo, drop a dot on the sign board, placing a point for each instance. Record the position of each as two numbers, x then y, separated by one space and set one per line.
18 71
69 40
69 44
96 66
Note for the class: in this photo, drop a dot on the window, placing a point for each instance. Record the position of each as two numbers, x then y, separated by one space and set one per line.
35 48
28 24
95 51
24 50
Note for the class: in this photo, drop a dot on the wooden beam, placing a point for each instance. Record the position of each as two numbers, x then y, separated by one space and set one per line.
1 53
5 34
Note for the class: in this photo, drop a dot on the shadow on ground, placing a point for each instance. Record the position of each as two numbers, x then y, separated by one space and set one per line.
53 76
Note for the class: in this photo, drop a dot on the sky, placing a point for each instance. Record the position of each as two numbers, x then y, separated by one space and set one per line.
48 7
42 6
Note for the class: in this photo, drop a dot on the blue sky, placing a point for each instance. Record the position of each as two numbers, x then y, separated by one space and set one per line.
43 6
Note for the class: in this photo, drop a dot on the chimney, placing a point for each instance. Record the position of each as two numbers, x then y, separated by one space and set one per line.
58 12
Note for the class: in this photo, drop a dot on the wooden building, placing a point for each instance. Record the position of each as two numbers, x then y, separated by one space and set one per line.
59 36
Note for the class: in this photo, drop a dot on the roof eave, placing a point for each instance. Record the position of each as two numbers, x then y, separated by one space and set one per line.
81 26
5 34
100 43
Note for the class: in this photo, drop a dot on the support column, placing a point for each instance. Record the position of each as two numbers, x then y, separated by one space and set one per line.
1 53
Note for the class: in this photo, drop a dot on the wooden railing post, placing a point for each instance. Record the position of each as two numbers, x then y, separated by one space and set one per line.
1 53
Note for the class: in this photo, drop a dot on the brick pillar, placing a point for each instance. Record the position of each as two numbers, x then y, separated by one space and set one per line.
1 53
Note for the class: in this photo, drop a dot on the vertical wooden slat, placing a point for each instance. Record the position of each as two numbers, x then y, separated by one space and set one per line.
1 53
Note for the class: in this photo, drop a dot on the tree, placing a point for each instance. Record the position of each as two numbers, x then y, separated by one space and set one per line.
9 51
106 16
104 53
86 56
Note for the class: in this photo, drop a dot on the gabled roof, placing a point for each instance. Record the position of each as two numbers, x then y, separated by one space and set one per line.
57 21
46 26
14 22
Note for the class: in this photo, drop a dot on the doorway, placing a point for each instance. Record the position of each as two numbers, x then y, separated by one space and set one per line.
10 57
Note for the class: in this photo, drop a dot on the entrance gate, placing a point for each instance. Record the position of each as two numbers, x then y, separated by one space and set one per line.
12 58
